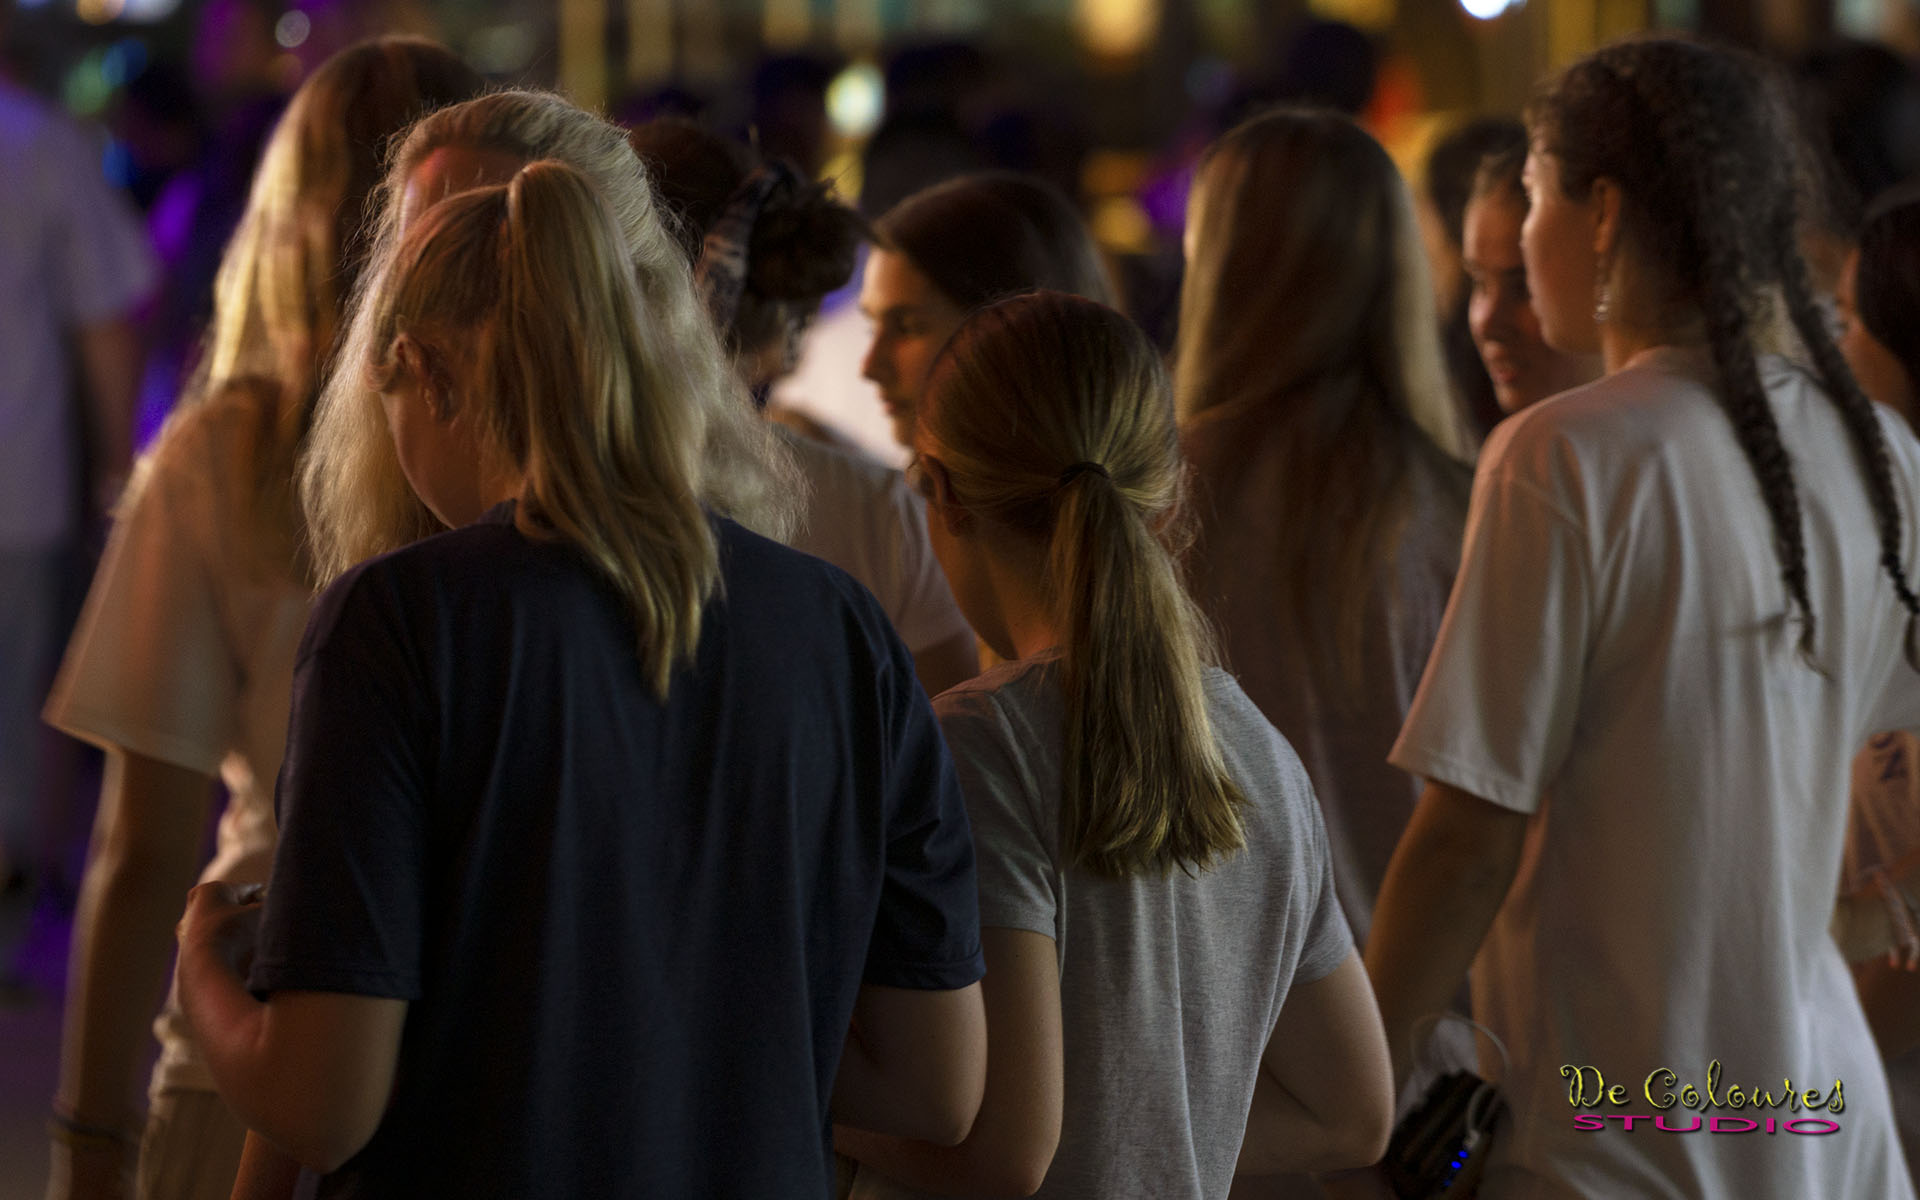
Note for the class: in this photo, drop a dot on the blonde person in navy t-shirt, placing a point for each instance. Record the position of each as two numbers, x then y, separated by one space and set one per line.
1173 994
603 818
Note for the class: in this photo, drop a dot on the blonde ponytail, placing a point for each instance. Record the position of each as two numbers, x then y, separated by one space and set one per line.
1052 415
357 501
524 309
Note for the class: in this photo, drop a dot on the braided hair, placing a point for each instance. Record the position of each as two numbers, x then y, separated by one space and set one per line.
1693 135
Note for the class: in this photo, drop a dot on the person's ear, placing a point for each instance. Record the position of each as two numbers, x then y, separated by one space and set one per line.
1608 203
417 361
940 498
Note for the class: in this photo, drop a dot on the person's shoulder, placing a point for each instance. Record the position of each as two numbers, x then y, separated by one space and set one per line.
790 583
1024 692
230 425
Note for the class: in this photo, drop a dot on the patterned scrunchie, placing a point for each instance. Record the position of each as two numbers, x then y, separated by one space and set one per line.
721 274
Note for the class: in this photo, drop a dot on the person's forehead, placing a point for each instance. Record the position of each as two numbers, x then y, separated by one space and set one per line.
453 168
1491 229
891 281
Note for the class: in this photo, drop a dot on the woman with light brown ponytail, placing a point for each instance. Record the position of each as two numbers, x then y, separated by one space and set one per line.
1684 602
1169 966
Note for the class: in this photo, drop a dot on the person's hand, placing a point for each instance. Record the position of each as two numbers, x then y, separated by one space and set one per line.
223 918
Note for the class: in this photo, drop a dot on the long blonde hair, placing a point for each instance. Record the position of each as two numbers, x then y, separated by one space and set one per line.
528 320
286 272
1051 415
1307 308
358 502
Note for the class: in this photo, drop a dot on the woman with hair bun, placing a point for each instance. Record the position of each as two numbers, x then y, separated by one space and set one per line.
1684 601
603 818
1174 993
766 245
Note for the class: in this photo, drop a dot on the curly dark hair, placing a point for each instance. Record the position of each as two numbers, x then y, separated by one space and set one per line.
1711 172
804 243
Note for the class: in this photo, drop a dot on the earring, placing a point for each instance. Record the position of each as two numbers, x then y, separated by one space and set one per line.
1602 302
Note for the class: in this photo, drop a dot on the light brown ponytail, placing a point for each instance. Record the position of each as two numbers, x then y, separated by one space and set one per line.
1053 415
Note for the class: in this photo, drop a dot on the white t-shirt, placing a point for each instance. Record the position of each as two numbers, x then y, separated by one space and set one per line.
185 650
863 518
71 253
1169 987
1617 659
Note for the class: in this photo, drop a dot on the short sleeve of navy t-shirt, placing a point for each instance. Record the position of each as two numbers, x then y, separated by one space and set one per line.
630 931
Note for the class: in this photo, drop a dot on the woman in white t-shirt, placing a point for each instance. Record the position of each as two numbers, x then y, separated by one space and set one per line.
182 665
1682 603
1168 965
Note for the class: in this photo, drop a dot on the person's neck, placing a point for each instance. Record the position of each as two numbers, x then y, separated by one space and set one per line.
1016 571
1622 342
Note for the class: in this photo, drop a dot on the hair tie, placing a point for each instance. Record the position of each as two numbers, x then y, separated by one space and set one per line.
721 274
1081 468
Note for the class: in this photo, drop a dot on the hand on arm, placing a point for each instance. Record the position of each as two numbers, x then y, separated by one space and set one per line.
1447 880
145 852
1011 1144
308 1071
1323 1100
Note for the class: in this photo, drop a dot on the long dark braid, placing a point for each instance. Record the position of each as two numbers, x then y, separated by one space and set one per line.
1695 137
1863 424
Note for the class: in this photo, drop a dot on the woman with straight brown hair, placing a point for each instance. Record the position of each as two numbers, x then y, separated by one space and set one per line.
1315 412
1174 994
182 664
955 247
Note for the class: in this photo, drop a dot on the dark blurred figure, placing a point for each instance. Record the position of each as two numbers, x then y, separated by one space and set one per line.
233 60
913 150
1321 64
1866 100
942 76
789 116
1449 182
161 128
668 101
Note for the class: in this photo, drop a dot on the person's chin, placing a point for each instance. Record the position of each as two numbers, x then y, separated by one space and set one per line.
902 419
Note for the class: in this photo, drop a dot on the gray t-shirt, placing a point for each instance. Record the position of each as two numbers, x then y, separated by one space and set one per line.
1169 988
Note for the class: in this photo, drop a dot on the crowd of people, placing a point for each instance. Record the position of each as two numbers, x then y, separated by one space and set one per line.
630 794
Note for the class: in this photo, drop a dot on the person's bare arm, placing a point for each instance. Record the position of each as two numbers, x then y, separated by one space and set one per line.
1447 880
1323 1100
145 851
945 664
310 1072
914 1062
1011 1144
110 360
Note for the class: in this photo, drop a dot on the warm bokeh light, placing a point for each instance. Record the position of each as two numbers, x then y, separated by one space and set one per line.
1116 28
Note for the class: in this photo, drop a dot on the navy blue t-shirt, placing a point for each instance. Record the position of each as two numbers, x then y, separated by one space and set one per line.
630 933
